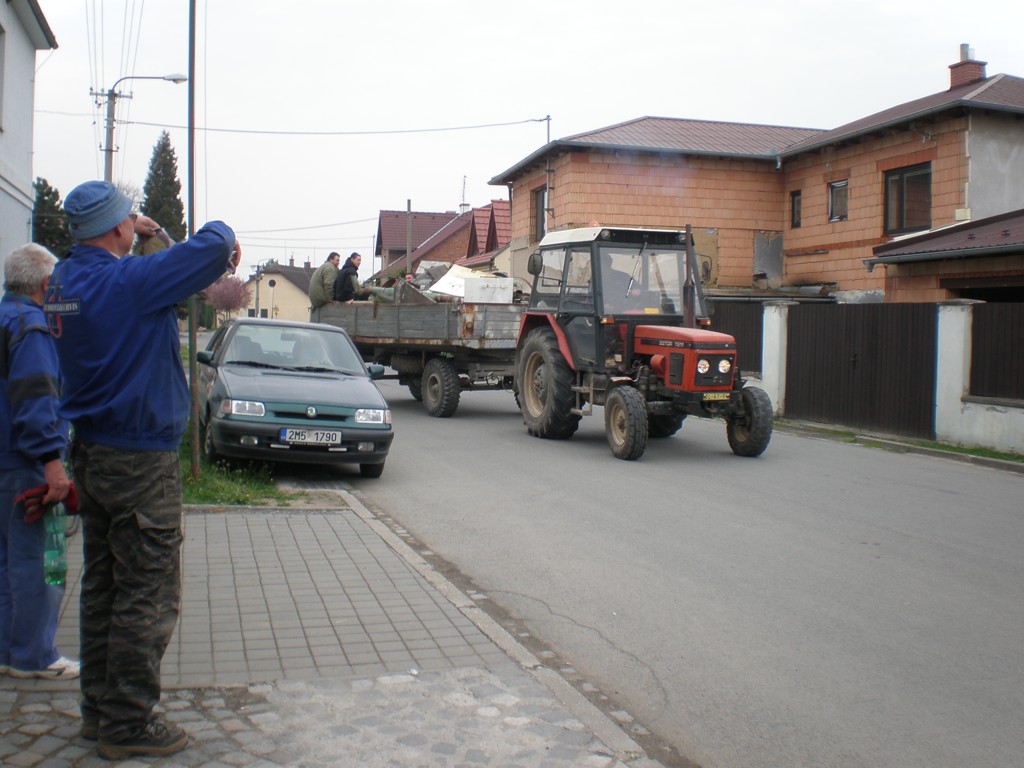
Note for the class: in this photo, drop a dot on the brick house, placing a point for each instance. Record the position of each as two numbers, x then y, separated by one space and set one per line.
775 207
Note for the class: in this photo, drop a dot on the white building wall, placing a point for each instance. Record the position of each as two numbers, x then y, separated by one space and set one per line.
17 103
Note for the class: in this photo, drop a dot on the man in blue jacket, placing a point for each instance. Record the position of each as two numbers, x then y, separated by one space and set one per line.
33 440
125 393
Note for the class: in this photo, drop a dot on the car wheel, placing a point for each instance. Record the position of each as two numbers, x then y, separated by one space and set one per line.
625 423
209 449
371 470
441 387
750 431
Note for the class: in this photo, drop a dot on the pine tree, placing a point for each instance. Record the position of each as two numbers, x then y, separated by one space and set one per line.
49 223
162 190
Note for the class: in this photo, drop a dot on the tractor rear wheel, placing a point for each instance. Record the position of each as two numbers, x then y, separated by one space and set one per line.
750 431
625 423
440 387
664 425
545 380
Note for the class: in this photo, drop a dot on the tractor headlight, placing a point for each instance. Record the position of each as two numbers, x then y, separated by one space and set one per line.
724 366
703 366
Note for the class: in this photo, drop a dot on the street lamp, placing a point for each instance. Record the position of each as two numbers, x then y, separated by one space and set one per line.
112 96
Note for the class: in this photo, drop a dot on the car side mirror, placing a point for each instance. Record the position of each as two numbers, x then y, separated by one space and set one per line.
534 263
205 357
376 371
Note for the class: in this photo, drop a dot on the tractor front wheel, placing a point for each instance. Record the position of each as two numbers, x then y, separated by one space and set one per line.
750 431
415 388
625 423
440 387
544 385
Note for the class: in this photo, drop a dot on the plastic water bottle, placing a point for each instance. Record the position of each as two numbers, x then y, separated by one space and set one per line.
55 548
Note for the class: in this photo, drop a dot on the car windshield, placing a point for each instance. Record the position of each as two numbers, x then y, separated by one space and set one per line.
293 348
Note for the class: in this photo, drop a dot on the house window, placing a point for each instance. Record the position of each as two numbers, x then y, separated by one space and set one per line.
795 206
540 212
908 199
838 197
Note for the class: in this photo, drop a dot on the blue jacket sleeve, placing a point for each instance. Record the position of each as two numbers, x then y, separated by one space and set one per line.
163 279
34 391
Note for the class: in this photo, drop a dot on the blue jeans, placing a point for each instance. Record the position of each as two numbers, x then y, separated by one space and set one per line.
29 607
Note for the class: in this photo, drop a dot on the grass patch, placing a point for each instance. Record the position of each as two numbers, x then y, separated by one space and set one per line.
985 453
243 484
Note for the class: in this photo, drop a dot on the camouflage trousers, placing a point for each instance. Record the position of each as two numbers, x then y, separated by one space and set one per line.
131 585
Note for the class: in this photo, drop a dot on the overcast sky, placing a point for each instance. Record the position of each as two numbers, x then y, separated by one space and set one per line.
378 77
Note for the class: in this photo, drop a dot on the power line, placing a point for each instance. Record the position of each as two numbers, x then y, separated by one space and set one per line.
296 229
343 133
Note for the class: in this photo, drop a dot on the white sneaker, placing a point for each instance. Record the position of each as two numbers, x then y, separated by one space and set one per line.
62 668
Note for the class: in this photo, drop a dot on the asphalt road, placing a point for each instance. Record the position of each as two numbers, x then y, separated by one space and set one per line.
825 605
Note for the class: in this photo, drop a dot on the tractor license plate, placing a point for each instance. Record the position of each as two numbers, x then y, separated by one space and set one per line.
716 396
310 436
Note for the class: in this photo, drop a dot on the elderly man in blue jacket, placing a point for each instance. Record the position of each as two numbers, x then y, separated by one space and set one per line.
33 441
125 393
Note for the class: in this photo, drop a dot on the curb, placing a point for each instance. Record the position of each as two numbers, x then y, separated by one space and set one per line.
603 728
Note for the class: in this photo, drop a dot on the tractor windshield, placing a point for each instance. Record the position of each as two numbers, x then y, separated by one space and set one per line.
639 279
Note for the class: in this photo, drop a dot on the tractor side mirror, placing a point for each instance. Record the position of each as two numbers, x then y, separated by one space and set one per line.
534 263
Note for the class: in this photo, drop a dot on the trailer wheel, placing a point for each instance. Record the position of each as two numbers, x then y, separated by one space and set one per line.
545 387
440 387
750 431
625 423
415 389
664 425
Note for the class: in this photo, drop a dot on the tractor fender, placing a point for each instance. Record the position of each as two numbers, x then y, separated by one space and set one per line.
530 321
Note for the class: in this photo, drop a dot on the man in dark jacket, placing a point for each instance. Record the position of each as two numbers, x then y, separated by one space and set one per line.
33 440
113 318
346 287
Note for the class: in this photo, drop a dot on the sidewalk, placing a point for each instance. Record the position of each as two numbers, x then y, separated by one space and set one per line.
317 637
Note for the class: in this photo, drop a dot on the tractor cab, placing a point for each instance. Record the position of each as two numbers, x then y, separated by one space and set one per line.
602 282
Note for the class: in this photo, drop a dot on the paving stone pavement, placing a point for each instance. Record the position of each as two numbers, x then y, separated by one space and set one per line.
317 637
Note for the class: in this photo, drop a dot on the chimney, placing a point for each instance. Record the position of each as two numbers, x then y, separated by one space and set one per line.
291 262
967 70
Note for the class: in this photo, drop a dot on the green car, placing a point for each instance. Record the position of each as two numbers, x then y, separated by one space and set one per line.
294 392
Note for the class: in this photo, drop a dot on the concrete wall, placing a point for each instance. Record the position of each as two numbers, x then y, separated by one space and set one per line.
995 150
959 418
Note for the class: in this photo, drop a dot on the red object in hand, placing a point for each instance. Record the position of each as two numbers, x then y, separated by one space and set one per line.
33 501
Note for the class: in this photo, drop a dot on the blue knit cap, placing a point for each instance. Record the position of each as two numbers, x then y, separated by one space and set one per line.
94 208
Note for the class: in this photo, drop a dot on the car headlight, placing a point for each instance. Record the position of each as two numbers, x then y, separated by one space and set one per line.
703 366
242 408
724 366
373 416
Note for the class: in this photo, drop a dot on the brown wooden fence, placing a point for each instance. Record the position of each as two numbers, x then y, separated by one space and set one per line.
865 366
997 351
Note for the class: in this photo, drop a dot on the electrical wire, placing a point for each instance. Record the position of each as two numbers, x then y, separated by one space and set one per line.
343 133
296 229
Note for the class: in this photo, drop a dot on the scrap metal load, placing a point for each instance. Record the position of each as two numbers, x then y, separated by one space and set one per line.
438 343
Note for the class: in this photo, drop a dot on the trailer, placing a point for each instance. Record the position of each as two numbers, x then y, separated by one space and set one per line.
438 349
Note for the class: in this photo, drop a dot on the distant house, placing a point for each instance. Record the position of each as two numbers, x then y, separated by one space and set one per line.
280 291
455 239
775 207
397 231
23 31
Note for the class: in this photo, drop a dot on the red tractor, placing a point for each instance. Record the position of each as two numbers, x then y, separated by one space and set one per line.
617 319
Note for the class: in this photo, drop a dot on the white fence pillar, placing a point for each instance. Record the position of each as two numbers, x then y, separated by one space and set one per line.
775 330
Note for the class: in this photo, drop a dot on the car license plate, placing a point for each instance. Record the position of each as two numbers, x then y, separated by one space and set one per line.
716 395
310 436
